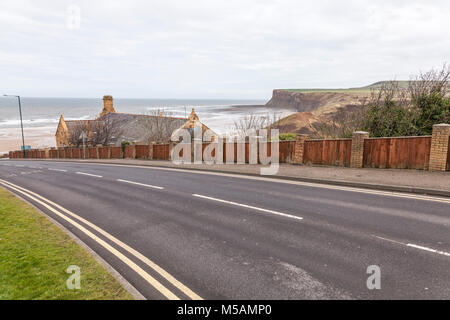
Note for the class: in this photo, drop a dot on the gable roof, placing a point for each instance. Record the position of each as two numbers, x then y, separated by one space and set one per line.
135 127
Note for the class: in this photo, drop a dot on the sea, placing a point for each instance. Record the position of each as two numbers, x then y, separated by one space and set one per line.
43 113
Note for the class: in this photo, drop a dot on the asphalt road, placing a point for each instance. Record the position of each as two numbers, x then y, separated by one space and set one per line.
180 234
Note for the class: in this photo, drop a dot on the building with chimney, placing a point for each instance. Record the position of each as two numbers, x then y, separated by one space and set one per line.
113 128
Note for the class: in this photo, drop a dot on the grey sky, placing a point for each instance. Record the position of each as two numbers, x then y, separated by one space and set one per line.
215 49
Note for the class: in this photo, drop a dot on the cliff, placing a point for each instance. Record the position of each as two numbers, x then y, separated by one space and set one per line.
310 101
313 107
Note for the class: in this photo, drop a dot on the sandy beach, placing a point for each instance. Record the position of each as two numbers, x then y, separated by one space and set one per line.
37 137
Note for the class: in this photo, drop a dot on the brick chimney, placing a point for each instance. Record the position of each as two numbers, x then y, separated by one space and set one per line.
108 105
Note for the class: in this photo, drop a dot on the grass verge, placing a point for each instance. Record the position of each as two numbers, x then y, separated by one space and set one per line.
35 254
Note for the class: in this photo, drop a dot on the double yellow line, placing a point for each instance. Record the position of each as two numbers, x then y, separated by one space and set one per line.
58 210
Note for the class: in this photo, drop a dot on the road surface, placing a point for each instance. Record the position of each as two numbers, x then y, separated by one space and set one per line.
178 234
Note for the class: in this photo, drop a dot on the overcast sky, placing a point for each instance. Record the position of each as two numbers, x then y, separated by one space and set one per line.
214 49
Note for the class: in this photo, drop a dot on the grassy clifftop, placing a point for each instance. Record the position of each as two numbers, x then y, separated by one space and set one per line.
373 86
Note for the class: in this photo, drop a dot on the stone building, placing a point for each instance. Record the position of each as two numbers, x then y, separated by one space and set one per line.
112 128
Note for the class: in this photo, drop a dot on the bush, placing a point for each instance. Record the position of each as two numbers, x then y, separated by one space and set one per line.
124 144
287 136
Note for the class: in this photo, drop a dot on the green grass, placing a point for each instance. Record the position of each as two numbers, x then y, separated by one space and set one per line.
35 254
365 89
353 90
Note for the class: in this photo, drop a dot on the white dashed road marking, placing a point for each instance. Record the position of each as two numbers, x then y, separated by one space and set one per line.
250 207
140 184
89 174
412 245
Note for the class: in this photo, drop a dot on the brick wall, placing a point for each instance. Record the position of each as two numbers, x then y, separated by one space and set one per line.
439 147
299 148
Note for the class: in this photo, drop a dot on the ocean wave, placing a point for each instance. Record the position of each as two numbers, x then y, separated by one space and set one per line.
12 123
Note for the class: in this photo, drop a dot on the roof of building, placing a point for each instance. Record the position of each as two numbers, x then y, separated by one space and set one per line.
138 127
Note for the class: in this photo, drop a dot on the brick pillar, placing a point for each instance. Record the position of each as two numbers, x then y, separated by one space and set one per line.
356 159
299 148
439 147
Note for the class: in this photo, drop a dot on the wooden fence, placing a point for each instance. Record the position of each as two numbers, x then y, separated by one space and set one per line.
335 152
399 153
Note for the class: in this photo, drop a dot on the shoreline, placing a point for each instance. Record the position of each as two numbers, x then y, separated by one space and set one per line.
36 137
44 136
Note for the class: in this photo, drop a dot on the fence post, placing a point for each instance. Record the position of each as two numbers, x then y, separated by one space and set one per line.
133 156
299 148
439 147
150 151
357 151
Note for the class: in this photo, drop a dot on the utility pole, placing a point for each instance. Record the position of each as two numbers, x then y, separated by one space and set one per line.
21 123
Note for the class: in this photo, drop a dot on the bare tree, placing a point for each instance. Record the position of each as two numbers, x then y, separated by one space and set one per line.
158 126
430 99
76 129
255 122
431 82
342 123
105 130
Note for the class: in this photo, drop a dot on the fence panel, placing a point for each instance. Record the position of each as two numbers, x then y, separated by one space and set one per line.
161 151
333 152
312 153
142 152
92 153
234 149
116 152
128 152
103 152
398 153
286 151
77 153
